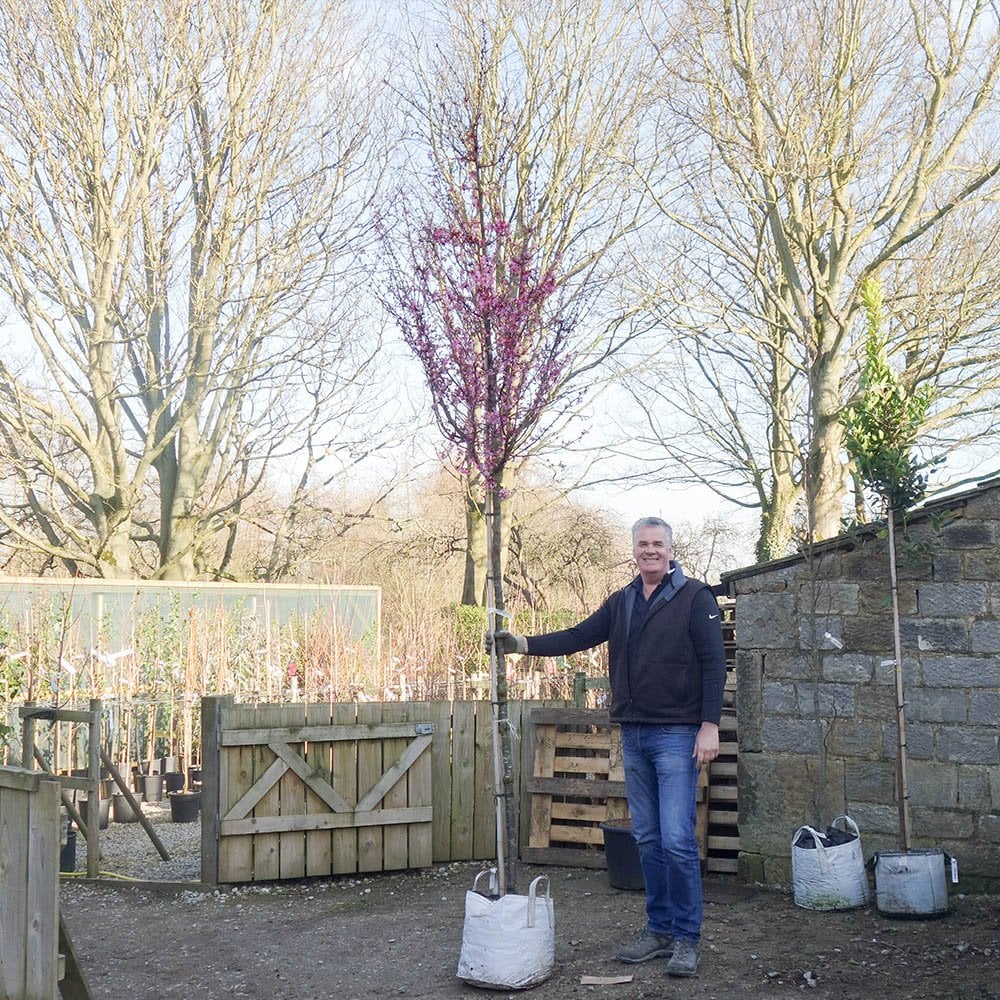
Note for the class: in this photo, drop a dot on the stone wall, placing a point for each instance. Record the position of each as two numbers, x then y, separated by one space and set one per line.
815 668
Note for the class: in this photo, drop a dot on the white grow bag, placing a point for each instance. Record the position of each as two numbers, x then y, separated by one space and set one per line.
829 878
508 943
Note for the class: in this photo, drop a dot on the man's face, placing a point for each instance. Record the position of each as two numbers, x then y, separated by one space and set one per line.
652 552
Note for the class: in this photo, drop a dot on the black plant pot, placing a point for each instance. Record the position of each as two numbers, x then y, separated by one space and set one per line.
184 806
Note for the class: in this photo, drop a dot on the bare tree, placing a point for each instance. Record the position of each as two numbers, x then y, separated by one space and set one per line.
818 145
182 198
562 89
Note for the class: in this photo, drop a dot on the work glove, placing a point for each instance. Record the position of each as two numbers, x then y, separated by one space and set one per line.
506 642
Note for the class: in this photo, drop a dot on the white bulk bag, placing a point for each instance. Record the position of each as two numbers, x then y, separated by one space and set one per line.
829 877
508 943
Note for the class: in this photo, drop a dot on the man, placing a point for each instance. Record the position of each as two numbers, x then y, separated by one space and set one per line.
667 673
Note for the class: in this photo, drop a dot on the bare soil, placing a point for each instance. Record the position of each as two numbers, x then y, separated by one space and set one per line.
399 935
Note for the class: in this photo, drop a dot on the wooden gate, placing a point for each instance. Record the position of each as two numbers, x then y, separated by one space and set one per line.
293 791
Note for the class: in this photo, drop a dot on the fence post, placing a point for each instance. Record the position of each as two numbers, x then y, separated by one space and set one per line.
211 734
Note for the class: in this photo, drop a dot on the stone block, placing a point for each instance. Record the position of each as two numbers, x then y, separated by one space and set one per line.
885 671
989 828
778 794
820 633
947 567
867 563
875 701
874 818
920 740
936 704
749 698
974 788
934 825
970 535
952 600
932 783
850 668
780 698
766 621
832 597
961 671
833 700
968 746
981 564
947 635
867 634
870 780
984 708
855 739
785 665
876 602
986 636
794 736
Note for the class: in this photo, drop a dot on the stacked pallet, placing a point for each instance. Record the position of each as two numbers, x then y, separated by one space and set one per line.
723 813
577 783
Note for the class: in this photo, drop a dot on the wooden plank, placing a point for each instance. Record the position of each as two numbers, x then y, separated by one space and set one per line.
617 804
580 787
236 765
213 778
559 833
293 757
728 866
484 835
570 857
267 771
580 765
264 784
557 716
344 842
723 793
298 734
541 797
41 931
439 713
292 797
420 794
73 983
319 760
370 822
580 811
390 790
720 843
369 773
15 799
463 779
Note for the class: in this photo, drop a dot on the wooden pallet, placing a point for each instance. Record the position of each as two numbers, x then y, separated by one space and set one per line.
723 809
578 783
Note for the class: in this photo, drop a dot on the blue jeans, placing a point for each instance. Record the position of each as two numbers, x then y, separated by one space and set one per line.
661 781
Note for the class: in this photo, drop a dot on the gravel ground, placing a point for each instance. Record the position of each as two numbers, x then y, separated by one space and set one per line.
128 853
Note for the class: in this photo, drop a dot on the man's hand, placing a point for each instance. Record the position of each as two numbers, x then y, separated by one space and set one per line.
506 642
706 743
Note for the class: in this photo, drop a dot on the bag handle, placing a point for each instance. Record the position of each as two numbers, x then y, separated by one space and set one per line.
848 821
824 862
492 872
532 891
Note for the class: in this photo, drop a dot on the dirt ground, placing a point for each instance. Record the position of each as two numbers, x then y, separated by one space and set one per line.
399 935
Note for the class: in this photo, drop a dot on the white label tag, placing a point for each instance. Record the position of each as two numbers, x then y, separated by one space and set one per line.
954 870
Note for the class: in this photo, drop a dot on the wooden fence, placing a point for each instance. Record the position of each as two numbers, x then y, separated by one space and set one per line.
29 885
304 790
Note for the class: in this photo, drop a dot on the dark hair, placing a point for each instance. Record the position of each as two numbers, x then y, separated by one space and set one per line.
652 522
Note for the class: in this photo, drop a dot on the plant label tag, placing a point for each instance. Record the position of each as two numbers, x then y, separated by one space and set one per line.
954 870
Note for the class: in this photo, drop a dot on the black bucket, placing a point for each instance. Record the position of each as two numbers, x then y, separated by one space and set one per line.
67 853
152 787
184 806
621 853
122 810
104 812
173 781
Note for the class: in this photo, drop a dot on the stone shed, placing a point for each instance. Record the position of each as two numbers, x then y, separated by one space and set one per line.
816 690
